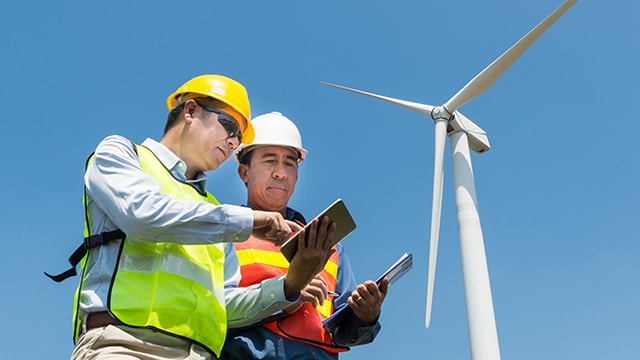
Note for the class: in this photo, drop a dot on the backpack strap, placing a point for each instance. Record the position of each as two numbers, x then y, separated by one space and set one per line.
91 241
88 243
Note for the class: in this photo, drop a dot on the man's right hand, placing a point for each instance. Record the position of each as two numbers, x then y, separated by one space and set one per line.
270 226
316 292
311 257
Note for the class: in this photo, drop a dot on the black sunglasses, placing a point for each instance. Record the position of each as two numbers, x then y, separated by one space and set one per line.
227 122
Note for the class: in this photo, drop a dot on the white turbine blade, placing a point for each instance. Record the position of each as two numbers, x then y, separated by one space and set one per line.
492 73
417 107
436 207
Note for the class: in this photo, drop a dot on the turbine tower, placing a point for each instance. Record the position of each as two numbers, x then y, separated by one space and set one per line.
465 135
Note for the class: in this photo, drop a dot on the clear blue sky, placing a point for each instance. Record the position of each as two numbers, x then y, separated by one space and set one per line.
558 192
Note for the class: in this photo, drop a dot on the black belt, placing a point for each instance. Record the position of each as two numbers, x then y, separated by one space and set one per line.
100 319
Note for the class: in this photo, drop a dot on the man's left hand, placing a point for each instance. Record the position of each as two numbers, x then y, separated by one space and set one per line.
366 300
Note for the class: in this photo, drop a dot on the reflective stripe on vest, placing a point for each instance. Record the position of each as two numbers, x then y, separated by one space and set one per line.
177 289
261 260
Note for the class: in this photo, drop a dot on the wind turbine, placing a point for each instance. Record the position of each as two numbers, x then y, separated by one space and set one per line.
465 135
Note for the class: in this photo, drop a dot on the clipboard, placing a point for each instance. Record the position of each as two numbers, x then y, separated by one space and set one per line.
399 268
395 272
338 213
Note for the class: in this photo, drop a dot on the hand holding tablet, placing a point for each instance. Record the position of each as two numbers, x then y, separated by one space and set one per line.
338 213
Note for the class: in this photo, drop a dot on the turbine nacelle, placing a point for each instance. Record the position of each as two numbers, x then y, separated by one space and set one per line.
477 137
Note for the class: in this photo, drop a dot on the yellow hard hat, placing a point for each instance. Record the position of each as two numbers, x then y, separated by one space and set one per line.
224 89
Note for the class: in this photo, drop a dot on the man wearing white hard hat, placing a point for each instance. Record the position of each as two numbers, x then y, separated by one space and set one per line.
269 168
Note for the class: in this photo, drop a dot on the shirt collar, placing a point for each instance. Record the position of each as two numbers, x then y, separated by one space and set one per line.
295 215
171 161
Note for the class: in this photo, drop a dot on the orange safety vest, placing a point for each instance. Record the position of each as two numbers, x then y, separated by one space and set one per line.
261 260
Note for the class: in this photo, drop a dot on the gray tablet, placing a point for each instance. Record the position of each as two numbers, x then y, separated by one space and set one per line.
338 213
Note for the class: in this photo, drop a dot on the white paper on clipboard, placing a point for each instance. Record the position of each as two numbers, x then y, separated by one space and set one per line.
399 268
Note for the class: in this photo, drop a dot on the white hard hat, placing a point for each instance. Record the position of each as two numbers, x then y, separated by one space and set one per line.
274 129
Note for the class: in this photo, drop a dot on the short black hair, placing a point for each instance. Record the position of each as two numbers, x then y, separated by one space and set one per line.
245 157
173 117
174 114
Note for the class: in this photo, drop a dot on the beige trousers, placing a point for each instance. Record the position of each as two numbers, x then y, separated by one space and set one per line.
123 342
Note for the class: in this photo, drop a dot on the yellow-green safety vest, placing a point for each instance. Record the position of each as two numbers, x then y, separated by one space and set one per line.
177 289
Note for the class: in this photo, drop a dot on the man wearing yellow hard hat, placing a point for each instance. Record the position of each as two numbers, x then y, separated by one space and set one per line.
231 98
151 283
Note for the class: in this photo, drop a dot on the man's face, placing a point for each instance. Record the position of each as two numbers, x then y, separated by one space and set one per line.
210 143
271 177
